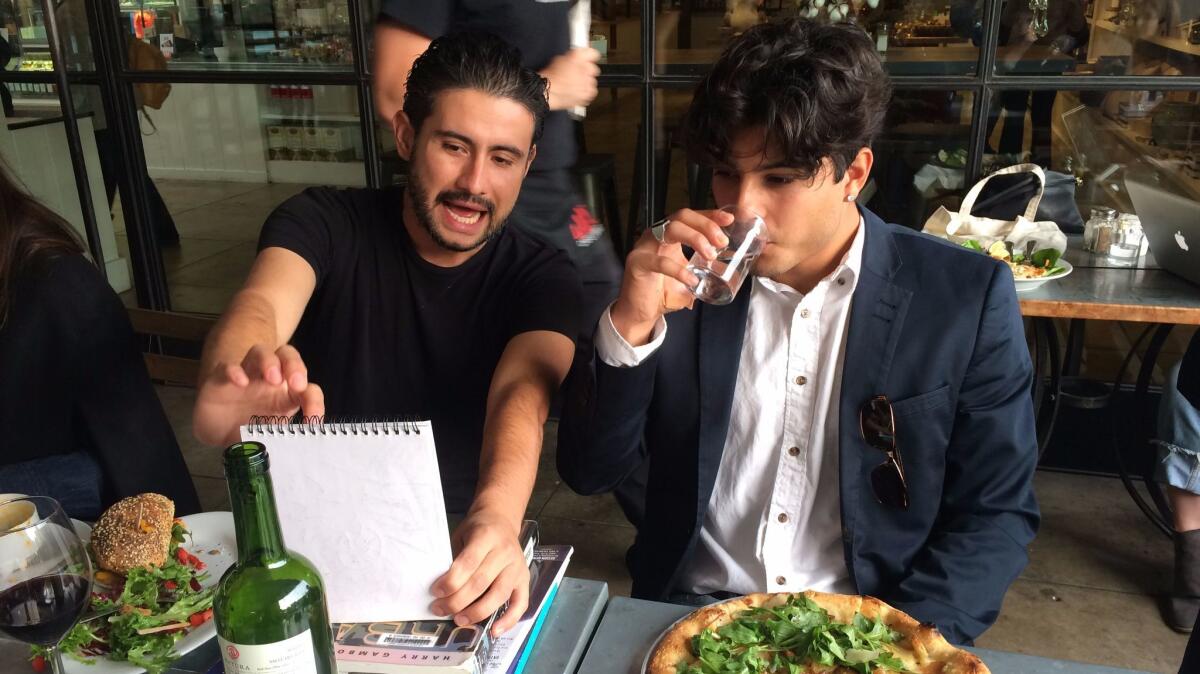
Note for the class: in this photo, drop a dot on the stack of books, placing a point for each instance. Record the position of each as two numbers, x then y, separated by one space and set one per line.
441 647
511 650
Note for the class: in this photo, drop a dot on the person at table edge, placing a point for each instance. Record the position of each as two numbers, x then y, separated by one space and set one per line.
420 301
760 476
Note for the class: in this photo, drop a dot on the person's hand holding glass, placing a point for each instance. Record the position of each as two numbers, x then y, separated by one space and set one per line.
660 279
45 575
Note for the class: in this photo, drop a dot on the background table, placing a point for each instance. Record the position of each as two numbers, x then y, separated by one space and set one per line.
630 627
1099 290
572 618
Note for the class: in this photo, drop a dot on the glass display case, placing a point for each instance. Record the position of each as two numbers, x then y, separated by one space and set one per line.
241 34
26 49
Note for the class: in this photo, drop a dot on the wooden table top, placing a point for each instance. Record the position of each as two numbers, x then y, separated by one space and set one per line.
1098 290
1110 294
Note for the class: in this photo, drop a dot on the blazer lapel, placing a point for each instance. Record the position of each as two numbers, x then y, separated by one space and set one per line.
876 316
722 329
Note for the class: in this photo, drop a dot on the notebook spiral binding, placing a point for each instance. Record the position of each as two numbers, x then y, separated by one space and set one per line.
280 425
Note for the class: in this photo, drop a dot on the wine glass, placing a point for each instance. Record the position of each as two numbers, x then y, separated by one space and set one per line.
45 575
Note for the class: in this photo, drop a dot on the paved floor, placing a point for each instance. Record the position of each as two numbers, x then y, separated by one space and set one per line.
1089 593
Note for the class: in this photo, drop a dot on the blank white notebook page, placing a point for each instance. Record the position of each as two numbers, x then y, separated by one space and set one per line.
363 502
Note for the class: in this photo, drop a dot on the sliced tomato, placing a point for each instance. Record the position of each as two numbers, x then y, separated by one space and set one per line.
38 663
170 585
199 618
181 555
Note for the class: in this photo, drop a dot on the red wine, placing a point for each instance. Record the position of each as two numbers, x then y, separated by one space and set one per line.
41 611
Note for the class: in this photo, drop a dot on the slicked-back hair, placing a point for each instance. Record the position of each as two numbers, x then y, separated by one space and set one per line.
818 90
474 60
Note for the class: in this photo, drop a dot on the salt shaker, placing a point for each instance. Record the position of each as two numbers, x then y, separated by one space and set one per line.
1104 234
1100 215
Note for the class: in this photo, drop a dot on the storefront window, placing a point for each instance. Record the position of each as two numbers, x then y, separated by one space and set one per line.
914 37
1099 37
221 157
242 34
1103 139
24 41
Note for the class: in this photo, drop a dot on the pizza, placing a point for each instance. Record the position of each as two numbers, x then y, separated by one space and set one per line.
806 633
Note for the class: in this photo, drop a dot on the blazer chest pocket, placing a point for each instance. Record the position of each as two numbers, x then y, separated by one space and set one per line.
922 403
924 423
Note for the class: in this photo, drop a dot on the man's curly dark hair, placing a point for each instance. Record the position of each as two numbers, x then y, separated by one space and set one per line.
818 90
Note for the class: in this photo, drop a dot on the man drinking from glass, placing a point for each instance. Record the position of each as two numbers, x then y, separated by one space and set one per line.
857 419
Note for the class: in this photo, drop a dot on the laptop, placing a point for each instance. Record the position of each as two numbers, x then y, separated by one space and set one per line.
1172 226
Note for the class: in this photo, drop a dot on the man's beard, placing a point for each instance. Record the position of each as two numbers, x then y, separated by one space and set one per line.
423 208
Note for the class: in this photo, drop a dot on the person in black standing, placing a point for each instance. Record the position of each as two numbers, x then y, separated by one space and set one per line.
549 205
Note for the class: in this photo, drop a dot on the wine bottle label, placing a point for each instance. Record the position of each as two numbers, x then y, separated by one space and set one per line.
291 656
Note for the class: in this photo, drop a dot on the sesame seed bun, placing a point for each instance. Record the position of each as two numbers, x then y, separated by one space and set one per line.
122 541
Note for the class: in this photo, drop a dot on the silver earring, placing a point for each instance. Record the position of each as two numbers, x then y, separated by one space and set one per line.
851 197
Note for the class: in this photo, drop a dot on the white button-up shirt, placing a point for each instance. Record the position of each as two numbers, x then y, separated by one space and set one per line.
774 519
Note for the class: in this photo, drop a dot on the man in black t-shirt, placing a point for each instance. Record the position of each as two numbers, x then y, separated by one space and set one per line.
550 205
420 302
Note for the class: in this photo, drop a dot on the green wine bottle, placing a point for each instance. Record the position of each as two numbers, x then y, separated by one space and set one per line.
270 606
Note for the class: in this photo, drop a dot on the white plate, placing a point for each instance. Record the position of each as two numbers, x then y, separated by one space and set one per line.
1024 284
214 542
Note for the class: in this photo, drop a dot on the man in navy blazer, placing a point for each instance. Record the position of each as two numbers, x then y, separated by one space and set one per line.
858 419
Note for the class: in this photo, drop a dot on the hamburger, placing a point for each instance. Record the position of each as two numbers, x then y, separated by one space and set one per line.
134 532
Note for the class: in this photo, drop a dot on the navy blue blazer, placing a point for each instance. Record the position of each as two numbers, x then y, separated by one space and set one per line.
933 326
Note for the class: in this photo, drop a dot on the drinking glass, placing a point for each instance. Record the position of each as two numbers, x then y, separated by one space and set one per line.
45 576
721 277
1127 240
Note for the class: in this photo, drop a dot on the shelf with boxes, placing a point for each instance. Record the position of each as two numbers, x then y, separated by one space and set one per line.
312 134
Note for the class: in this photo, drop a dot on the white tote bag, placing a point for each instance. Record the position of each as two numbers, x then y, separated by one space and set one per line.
961 226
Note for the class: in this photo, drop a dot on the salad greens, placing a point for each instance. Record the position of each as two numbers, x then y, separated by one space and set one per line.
953 159
169 596
1042 259
788 637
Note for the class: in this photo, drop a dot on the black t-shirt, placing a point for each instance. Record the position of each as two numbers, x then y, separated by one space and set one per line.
537 27
387 334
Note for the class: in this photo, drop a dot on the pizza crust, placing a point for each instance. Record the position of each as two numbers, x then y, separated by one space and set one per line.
922 648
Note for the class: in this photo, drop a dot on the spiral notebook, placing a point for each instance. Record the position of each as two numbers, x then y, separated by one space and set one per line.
363 502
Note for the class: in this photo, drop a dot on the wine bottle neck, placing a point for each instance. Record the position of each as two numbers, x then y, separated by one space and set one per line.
252 497
256 522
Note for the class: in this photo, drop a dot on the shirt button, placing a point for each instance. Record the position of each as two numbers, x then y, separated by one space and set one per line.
783 518
780 580
794 451
804 313
801 380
